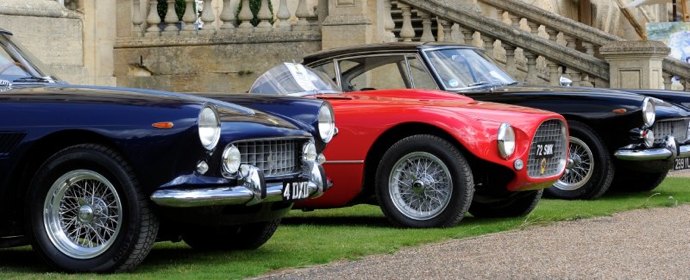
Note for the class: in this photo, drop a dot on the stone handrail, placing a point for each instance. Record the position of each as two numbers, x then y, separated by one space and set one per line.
583 32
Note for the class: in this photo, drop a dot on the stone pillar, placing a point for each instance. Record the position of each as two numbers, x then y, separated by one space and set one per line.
348 23
635 64
99 40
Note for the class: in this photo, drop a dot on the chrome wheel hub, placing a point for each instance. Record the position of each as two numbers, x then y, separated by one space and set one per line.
580 166
420 186
82 214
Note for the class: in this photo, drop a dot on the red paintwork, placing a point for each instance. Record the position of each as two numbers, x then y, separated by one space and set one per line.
362 117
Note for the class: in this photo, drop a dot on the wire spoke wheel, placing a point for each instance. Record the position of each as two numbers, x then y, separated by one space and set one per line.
581 168
82 214
420 185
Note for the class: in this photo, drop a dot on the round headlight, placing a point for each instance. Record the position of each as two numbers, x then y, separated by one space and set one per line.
648 112
326 123
231 159
506 140
309 152
209 128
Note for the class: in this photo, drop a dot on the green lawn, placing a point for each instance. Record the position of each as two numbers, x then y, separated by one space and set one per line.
323 236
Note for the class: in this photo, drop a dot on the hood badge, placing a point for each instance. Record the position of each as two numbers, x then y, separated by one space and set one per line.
5 85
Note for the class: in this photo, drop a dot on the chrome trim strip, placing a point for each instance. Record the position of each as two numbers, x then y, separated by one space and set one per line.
344 161
644 155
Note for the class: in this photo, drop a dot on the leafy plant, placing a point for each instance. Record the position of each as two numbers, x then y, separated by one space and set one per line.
254 6
180 7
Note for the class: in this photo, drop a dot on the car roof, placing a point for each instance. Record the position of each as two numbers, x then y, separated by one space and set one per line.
374 48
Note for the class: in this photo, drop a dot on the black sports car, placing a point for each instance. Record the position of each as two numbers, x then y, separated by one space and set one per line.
617 138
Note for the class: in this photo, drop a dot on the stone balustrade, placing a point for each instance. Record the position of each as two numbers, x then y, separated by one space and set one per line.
234 17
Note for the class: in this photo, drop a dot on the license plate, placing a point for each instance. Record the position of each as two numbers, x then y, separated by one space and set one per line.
544 149
681 163
295 190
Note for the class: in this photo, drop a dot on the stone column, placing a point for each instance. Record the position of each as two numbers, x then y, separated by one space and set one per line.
348 23
99 40
635 64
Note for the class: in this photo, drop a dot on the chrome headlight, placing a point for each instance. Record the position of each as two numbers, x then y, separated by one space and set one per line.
309 152
506 140
209 128
648 112
326 123
231 159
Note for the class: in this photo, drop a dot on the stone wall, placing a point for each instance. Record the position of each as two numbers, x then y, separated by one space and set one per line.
49 31
227 64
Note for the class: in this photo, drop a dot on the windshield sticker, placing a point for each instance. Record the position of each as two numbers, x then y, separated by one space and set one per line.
5 85
301 76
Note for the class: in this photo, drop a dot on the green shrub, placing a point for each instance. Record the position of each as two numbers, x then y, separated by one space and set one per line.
180 7
254 6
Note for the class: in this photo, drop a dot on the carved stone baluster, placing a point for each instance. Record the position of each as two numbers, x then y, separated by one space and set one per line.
532 77
245 17
585 82
686 85
264 17
189 18
554 73
668 81
208 17
510 59
488 45
571 42
468 36
589 48
407 32
171 19
153 19
499 14
137 19
515 21
388 23
553 34
227 16
427 34
302 14
574 75
447 31
534 27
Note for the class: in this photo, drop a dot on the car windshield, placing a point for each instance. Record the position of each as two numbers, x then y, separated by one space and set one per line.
19 66
464 68
293 79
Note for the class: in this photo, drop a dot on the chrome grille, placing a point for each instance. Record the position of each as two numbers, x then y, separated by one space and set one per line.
551 131
274 157
676 128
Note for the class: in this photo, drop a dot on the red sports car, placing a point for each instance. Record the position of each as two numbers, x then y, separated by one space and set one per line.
426 156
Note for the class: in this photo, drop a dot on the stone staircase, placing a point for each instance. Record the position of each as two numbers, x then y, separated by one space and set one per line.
533 44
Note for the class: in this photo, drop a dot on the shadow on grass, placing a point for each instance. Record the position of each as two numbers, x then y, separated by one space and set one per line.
347 221
22 259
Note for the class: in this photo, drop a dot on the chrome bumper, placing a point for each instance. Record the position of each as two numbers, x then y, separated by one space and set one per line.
669 152
252 189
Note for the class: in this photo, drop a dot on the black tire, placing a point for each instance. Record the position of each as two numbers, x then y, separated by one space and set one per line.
62 182
453 197
595 179
244 237
515 204
627 180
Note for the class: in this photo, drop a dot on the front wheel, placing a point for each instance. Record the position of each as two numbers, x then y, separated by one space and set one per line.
243 237
590 170
424 181
87 214
512 205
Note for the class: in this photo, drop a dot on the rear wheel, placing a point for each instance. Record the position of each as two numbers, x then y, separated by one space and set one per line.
243 237
87 214
513 205
424 181
590 170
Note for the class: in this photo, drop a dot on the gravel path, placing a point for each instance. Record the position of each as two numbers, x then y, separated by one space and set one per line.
639 244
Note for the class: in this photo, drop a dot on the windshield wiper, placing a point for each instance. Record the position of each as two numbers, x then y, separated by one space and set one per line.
31 80
482 83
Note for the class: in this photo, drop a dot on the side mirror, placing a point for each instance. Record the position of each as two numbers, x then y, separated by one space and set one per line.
565 82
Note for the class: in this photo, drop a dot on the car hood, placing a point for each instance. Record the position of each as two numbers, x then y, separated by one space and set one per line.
138 97
621 98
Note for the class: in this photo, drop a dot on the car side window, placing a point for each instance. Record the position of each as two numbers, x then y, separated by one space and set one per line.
328 69
373 72
10 69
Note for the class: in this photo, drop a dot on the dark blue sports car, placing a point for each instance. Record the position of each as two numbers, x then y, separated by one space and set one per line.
91 177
